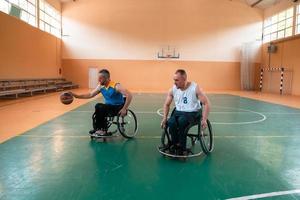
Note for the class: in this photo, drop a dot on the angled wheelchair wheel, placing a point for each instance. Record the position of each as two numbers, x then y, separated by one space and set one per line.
192 134
128 125
193 148
112 125
192 142
206 138
165 142
165 138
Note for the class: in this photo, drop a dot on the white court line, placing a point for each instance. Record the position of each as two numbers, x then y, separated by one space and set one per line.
265 113
159 136
213 112
272 194
231 123
231 136
91 111
53 136
152 112
278 113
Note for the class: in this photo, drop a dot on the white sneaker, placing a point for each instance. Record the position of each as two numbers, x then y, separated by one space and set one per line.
100 133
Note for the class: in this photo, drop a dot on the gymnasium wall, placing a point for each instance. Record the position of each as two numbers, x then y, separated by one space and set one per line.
156 76
287 54
26 51
125 37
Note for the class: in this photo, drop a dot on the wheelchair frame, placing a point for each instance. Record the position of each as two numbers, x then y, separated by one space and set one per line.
202 136
120 123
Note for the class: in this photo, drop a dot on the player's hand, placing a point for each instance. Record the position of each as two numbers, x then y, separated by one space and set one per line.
163 123
123 112
203 124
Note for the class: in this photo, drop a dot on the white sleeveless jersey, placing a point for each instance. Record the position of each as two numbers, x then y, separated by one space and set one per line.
186 100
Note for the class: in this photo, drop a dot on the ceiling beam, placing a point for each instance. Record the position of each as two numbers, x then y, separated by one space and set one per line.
257 2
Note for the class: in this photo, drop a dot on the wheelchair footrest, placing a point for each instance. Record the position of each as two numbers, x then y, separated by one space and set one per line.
106 135
167 151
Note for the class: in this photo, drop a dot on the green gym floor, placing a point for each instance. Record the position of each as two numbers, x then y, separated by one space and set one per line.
257 145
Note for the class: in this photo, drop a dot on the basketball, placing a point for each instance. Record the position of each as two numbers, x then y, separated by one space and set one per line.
66 98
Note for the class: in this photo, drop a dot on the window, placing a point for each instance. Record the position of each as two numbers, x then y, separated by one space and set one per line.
27 8
298 20
279 25
4 6
50 19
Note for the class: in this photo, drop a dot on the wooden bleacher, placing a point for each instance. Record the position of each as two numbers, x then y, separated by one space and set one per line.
24 87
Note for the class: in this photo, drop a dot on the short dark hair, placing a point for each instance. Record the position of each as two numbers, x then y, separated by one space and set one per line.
181 72
105 73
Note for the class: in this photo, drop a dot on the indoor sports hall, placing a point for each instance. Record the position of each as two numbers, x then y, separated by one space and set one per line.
243 56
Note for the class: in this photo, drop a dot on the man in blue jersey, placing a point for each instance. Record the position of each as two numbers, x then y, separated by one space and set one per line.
189 101
117 100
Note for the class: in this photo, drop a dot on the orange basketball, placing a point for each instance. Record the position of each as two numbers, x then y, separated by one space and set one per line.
66 98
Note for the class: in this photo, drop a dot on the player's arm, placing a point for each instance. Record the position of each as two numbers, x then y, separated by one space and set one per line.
128 96
205 105
167 104
87 95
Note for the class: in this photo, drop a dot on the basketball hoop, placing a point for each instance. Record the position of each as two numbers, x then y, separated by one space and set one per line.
168 52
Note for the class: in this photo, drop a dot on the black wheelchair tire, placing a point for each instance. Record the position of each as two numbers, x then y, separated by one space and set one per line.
207 148
123 133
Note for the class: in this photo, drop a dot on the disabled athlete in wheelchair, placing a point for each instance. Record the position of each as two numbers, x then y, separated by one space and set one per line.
188 112
115 110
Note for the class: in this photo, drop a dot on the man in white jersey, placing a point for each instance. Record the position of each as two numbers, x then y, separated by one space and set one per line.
187 97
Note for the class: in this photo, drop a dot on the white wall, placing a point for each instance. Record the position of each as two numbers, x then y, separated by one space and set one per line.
207 30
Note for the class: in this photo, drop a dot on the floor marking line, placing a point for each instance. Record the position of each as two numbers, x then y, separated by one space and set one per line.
271 194
154 112
159 136
213 112
91 111
231 123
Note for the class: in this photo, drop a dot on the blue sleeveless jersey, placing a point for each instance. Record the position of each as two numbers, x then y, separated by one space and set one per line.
111 95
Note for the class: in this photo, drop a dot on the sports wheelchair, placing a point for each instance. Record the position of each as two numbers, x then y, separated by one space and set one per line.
126 125
195 133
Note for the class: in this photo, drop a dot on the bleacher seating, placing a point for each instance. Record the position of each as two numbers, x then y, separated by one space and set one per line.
18 87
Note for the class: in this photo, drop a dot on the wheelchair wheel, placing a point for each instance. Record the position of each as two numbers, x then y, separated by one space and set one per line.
192 142
127 125
192 134
206 138
165 139
112 125
192 150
